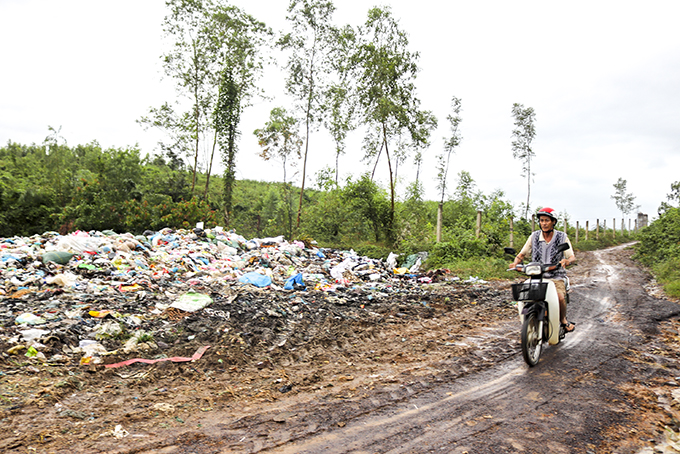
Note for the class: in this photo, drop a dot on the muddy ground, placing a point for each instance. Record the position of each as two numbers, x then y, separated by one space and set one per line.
431 368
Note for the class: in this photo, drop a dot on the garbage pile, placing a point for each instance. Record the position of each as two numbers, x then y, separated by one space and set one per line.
88 295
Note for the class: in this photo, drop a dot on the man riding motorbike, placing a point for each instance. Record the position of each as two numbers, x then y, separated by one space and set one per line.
541 246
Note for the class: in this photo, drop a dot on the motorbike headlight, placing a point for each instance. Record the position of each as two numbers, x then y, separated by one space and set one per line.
532 270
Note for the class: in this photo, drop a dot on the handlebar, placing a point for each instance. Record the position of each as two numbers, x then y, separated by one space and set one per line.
544 268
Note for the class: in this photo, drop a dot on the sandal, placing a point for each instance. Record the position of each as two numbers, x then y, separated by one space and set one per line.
568 325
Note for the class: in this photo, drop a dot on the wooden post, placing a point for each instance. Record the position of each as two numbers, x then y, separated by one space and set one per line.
623 226
587 227
533 222
597 230
614 227
479 224
576 232
512 233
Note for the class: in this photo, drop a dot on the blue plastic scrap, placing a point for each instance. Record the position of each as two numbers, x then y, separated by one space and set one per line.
294 283
257 279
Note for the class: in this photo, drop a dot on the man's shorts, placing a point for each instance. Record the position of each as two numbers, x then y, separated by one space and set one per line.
560 287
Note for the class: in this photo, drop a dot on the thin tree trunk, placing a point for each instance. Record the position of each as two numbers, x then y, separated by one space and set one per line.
389 166
212 156
377 158
337 166
196 119
440 215
526 212
308 112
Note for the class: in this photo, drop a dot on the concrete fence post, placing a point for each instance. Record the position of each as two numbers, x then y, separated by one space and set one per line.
512 233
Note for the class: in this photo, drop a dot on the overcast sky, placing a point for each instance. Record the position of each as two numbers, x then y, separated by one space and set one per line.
602 76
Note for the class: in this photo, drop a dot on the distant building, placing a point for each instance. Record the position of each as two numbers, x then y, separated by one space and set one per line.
642 220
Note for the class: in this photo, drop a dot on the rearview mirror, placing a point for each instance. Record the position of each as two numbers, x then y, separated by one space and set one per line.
562 247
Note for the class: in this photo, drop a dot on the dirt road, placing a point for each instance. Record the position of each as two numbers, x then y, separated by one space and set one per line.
435 373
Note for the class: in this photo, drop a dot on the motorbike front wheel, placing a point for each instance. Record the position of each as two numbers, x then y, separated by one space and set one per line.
532 339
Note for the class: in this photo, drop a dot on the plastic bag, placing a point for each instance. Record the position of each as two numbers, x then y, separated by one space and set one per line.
29 319
257 279
59 257
191 302
392 261
295 283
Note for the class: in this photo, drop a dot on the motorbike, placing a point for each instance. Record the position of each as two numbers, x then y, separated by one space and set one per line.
538 307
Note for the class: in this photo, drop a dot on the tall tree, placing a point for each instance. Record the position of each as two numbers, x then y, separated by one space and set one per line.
215 61
625 201
310 42
191 63
237 42
385 71
523 135
279 137
340 103
450 145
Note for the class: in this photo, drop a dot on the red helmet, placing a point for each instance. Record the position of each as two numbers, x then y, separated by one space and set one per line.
547 211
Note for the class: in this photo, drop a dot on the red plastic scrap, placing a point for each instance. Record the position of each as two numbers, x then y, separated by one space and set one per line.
176 359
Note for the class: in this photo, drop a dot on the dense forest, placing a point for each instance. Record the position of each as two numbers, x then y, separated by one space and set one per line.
63 189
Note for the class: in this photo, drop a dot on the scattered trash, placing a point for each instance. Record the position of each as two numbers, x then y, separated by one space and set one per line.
100 294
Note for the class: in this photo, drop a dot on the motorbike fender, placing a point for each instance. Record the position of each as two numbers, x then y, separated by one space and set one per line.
553 313
553 303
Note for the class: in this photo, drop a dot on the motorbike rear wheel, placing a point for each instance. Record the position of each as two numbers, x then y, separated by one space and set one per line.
532 339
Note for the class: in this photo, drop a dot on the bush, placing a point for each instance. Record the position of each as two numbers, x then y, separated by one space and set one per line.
374 251
462 245
660 241
659 247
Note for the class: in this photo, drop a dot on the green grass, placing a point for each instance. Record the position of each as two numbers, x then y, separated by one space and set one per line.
605 241
485 268
668 274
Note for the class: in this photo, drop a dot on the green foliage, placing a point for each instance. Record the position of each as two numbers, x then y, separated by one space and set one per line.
279 137
457 243
374 251
311 42
481 267
667 273
659 245
660 241
140 216
325 220
365 198
384 71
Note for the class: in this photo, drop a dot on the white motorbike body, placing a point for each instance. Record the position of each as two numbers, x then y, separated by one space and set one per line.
553 311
